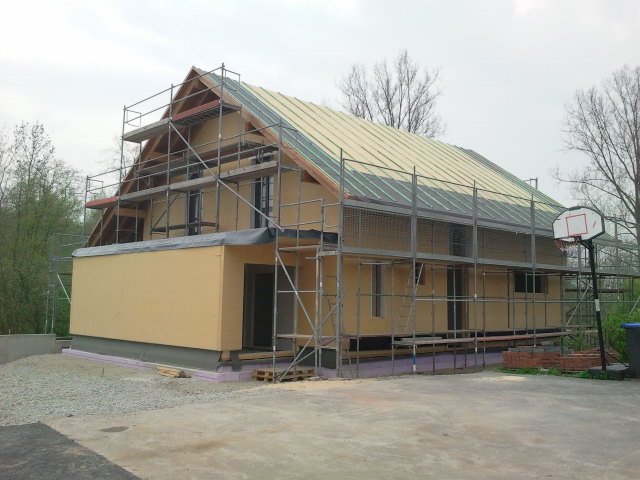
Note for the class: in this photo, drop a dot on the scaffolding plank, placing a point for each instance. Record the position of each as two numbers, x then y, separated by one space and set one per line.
194 184
142 195
148 131
409 342
252 171
203 112
235 175
527 336
102 203
192 116
228 153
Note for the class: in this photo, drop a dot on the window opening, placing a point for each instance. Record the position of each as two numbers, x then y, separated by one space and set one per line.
377 291
524 283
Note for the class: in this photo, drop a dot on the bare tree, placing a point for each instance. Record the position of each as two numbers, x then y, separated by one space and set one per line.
402 95
604 123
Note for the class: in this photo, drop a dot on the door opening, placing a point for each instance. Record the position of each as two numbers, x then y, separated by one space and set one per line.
258 307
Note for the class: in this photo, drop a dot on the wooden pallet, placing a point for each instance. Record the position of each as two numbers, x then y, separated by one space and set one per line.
172 372
267 375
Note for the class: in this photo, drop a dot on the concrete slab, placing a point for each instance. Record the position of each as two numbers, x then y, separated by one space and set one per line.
36 451
476 426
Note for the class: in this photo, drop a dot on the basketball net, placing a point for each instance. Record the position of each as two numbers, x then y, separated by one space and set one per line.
568 245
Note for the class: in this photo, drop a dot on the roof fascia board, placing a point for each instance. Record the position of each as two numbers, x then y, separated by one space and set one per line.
302 162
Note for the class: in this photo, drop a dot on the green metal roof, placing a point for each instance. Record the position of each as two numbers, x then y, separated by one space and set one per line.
381 160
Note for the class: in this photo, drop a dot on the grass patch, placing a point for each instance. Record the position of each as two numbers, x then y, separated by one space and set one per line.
554 372
521 371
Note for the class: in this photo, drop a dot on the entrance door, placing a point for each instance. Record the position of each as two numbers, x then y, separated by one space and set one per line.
456 289
262 310
258 307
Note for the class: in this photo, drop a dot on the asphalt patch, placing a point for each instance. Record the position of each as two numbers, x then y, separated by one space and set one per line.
37 451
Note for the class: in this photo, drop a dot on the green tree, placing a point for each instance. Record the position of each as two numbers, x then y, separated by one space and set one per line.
39 195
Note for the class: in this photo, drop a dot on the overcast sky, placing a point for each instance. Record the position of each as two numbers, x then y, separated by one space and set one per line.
507 67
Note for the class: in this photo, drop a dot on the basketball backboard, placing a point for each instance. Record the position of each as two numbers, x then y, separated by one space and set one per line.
582 223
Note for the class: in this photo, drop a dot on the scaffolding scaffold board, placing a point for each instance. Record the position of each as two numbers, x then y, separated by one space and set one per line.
235 175
203 112
148 131
409 341
229 153
183 119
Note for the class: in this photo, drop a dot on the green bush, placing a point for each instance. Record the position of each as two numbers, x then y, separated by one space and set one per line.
578 341
615 337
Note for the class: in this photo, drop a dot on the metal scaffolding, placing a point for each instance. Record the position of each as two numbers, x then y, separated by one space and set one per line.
459 269
59 276
412 243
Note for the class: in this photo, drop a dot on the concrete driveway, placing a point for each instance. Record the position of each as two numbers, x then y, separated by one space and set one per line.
475 426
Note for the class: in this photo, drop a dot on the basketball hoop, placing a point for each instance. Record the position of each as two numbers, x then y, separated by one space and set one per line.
579 226
568 245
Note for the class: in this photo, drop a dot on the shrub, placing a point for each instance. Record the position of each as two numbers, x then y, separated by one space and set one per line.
615 337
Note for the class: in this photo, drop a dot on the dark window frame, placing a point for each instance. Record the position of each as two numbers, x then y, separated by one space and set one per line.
194 206
377 291
523 283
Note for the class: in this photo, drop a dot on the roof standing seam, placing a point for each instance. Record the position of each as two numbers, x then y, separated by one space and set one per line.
320 132
450 158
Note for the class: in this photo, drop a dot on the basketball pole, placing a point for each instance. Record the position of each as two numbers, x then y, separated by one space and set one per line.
588 244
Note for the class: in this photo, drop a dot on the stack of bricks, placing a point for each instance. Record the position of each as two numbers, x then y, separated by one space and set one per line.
576 362
528 358
550 357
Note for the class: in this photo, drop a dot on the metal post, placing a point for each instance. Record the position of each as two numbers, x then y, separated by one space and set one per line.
84 210
274 326
533 267
317 326
339 279
484 313
433 312
222 70
393 318
475 271
588 244
414 255
168 175
120 175
358 286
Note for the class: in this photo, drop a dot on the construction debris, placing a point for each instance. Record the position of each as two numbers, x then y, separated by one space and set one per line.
267 375
172 372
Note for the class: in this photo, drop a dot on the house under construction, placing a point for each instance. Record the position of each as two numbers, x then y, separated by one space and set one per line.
255 227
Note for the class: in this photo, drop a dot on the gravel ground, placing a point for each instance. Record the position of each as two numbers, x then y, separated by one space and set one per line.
46 386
